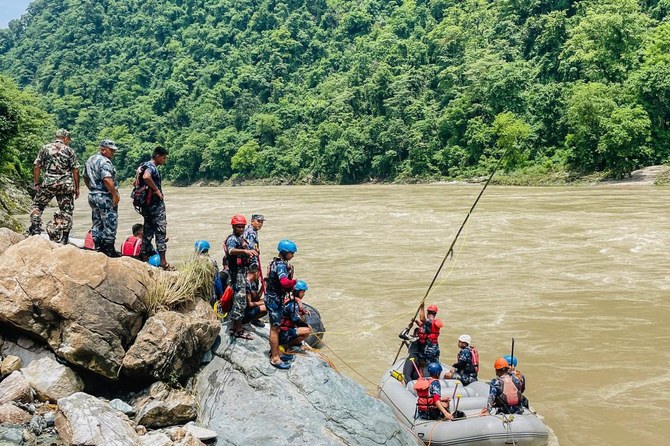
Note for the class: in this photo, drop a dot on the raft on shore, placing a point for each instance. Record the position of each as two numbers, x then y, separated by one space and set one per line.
526 429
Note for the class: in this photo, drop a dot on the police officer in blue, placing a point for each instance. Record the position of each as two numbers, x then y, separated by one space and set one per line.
467 365
251 234
279 282
103 198
237 257
505 391
430 404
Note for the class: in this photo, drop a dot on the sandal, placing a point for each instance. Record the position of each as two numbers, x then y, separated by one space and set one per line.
287 358
166 267
241 334
281 365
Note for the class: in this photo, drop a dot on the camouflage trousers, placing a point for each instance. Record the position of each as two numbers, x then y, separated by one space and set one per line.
64 194
238 284
155 224
105 218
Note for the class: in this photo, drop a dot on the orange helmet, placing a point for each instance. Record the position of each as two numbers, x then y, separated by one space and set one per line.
432 308
238 220
501 363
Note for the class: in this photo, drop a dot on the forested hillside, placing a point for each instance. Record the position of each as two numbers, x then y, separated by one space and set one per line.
353 91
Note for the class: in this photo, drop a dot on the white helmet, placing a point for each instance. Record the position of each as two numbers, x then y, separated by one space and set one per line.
465 338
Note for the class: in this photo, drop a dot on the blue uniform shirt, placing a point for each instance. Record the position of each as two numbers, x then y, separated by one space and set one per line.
99 167
155 174
495 394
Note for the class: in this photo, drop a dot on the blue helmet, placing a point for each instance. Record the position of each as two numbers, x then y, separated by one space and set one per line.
155 260
301 285
511 361
287 246
434 368
201 246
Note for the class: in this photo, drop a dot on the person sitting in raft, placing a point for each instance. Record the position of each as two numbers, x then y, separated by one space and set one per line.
430 404
293 328
512 361
504 395
429 332
467 367
202 249
255 306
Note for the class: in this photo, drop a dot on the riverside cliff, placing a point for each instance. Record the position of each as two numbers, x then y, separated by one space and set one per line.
89 357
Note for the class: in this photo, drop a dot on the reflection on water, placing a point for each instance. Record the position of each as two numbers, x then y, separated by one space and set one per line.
580 277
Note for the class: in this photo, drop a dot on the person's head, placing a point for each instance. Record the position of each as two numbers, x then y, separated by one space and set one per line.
464 340
300 289
502 366
434 369
431 311
138 230
108 148
201 247
257 221
63 135
160 155
512 361
238 222
287 249
253 272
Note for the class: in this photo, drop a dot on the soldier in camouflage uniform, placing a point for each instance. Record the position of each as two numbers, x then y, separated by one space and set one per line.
59 167
103 198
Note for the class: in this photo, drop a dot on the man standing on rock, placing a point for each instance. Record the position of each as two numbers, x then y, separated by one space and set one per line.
59 167
153 211
251 235
103 198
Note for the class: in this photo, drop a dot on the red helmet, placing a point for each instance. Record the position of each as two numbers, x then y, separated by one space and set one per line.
238 220
501 363
432 308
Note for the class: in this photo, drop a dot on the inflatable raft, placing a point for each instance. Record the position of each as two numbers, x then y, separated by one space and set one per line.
526 429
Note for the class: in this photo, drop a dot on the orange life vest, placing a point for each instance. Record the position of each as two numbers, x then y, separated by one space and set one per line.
132 246
510 396
475 358
431 335
424 402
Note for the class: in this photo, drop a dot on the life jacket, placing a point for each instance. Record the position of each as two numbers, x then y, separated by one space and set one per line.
474 353
227 300
272 282
286 322
424 401
132 246
511 395
88 241
234 262
432 334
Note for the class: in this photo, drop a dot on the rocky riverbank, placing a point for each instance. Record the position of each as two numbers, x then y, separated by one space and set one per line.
13 200
89 359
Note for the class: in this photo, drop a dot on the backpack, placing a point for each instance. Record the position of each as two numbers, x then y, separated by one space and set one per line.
140 194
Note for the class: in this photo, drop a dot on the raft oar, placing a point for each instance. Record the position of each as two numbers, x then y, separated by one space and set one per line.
453 395
450 251
512 355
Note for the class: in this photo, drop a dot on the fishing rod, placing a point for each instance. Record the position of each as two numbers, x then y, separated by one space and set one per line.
450 252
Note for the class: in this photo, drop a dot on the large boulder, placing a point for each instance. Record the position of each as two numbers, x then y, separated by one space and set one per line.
171 343
51 380
8 238
16 388
163 406
85 420
87 307
247 401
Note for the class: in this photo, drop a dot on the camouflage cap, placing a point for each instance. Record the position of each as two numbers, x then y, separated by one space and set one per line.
108 143
259 217
62 133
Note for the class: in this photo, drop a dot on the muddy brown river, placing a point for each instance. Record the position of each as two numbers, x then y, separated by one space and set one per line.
579 276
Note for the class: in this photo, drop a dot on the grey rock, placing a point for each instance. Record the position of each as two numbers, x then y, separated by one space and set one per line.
200 433
164 406
11 434
51 380
155 439
50 418
307 405
123 407
207 357
88 421
15 388
37 425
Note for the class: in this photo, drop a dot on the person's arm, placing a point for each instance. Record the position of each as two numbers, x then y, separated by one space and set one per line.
242 252
109 185
75 176
445 412
152 185
422 315
36 175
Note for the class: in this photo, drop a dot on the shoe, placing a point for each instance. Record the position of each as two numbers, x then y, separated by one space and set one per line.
34 230
66 238
109 250
241 334
287 358
281 365
258 323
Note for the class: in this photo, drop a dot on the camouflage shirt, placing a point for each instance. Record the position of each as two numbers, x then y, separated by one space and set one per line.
56 161
99 167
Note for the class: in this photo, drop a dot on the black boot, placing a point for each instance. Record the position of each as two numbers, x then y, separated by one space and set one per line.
34 230
108 250
66 238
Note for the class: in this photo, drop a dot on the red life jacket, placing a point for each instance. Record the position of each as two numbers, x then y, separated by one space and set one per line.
424 402
510 396
431 335
88 241
475 358
227 300
132 246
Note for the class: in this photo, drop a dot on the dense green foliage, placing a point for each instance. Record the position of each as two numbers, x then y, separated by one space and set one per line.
348 91
22 129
